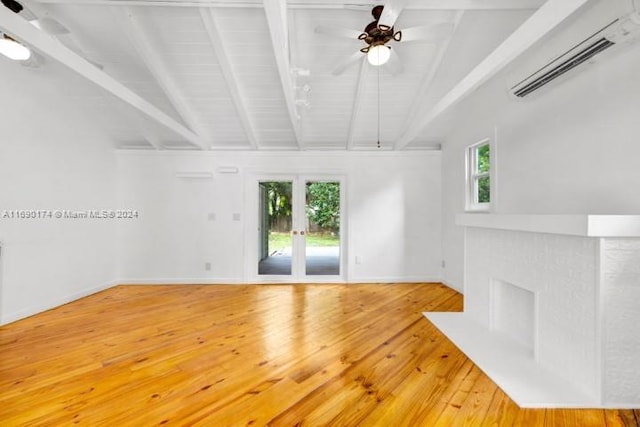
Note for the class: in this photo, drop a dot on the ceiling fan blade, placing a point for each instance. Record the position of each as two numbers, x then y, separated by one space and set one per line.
431 33
390 13
350 60
338 32
394 65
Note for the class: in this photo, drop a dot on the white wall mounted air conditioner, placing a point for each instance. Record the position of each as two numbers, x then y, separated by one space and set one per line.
592 33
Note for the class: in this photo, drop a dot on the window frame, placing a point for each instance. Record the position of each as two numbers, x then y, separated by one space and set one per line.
473 176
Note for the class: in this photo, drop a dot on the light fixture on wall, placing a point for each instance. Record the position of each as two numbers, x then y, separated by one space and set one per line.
228 169
13 50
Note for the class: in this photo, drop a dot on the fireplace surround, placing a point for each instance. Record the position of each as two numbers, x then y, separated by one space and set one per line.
551 307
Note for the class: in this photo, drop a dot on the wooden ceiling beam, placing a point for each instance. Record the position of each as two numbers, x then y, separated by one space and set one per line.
425 85
276 11
217 42
26 33
545 19
130 23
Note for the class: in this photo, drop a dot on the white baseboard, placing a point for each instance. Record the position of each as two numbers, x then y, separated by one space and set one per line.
453 286
406 279
181 281
39 308
236 281
624 405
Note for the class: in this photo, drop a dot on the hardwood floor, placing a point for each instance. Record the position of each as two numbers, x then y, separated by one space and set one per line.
279 355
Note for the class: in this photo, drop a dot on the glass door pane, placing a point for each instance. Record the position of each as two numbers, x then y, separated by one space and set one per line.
322 238
275 224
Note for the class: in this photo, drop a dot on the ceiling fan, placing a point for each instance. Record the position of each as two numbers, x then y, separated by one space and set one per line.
379 34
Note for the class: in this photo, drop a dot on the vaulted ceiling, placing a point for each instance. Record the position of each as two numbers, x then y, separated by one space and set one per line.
266 75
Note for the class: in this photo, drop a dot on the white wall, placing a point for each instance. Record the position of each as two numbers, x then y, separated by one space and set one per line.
572 148
393 210
55 156
51 157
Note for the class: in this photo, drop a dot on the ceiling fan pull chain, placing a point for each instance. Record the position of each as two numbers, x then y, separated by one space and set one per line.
378 107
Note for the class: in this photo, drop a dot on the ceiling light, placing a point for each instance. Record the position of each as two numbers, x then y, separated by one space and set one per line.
14 50
378 55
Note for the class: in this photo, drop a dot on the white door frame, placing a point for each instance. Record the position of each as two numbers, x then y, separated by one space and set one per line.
251 238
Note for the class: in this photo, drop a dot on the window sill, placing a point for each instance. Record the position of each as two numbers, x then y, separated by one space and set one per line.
478 208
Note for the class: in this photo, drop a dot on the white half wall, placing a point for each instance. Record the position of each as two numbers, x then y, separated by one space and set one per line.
393 213
571 148
51 158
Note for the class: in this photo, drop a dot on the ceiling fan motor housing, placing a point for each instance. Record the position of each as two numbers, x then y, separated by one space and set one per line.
374 35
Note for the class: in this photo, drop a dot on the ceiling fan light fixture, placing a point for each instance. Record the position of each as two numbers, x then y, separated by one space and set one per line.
378 55
14 50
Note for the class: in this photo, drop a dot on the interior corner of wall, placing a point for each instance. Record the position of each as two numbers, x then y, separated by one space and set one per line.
454 286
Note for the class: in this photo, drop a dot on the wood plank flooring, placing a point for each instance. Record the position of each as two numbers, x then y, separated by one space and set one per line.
277 355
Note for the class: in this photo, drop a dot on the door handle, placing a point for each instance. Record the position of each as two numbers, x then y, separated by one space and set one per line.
295 232
302 232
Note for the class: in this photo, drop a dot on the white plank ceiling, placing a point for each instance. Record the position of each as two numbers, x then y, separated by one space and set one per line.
247 74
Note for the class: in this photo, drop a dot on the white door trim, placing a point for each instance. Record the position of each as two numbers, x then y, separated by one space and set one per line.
251 239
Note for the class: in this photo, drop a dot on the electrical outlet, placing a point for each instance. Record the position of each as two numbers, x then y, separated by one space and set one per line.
236 216
443 264
207 266
358 260
211 216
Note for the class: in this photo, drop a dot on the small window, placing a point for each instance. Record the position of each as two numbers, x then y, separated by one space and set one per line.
479 176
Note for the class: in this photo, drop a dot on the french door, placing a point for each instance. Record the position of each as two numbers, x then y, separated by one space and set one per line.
296 233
